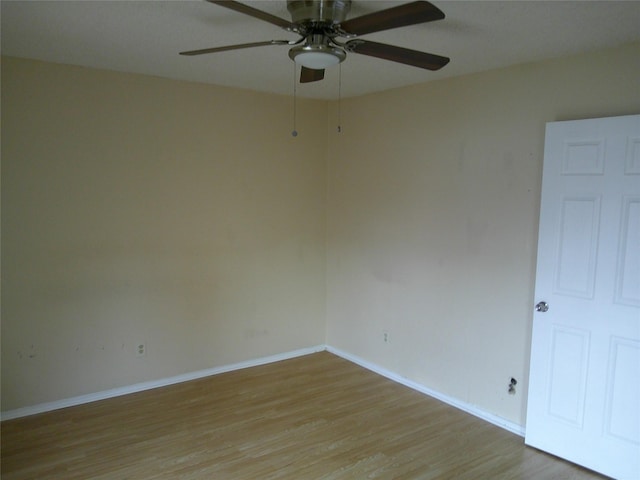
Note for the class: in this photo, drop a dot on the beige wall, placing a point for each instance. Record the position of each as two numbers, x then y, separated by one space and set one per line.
185 216
137 209
433 208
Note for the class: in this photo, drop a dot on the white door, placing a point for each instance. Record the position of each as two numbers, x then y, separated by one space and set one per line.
584 385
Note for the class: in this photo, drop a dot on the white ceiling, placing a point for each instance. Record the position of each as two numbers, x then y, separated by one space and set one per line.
146 36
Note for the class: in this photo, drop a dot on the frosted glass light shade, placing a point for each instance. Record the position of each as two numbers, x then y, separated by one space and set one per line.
317 56
316 60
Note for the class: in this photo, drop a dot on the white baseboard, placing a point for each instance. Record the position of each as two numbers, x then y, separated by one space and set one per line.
139 387
466 407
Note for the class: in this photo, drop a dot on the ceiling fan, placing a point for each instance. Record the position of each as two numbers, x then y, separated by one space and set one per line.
321 23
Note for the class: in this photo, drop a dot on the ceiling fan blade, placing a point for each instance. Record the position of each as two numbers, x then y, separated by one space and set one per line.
400 16
254 12
234 47
308 75
428 61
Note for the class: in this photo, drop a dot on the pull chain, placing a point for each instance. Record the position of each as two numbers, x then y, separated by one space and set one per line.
339 98
294 132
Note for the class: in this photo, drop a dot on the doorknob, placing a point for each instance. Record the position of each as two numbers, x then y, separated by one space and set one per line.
542 307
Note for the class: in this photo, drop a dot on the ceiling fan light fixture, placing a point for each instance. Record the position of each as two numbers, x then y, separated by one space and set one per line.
321 23
317 57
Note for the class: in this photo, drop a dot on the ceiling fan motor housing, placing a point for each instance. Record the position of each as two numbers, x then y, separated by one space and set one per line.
318 11
316 21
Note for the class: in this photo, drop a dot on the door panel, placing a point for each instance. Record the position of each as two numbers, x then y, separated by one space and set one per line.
623 397
568 375
584 391
628 273
576 260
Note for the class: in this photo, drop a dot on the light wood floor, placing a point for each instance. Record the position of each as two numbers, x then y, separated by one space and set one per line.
313 417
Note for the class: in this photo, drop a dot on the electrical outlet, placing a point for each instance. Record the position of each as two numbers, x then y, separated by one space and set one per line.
141 350
386 338
511 389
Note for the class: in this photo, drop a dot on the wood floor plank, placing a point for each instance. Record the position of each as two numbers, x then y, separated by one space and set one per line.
313 417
